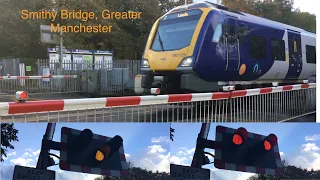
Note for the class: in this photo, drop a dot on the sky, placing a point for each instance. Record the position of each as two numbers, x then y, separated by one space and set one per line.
145 144
299 144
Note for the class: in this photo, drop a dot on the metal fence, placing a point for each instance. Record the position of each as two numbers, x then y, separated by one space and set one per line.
9 66
273 104
111 78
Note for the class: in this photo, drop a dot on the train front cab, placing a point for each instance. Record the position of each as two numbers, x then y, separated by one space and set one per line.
171 51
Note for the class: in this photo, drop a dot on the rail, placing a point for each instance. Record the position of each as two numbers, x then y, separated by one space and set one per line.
273 104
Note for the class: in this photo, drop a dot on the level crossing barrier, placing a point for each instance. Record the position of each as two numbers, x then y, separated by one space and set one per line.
273 104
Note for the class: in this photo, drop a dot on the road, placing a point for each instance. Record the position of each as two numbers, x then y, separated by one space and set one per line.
181 112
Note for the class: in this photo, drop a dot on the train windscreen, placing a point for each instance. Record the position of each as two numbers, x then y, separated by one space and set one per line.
175 31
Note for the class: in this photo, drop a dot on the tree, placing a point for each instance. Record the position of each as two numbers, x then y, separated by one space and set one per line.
276 10
8 135
290 172
171 133
136 173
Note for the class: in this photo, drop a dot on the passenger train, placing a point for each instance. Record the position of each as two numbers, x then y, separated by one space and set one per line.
202 47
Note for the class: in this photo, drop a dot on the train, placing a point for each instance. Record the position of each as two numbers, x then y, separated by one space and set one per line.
203 47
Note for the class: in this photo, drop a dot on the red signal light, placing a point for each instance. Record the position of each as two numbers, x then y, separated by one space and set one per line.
270 141
21 95
237 139
240 135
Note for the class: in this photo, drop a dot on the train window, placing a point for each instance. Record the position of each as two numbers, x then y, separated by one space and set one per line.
217 33
311 54
257 47
232 34
278 50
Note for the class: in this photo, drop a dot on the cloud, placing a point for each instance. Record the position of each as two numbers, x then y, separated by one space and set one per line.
179 160
30 153
156 149
161 139
309 155
315 137
310 147
183 156
154 158
23 162
127 155
10 154
191 151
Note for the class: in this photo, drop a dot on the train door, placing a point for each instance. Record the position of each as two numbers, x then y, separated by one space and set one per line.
295 55
233 51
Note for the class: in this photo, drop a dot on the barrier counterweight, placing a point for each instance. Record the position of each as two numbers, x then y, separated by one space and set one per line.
274 104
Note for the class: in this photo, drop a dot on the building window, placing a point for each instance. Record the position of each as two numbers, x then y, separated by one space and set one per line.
311 54
257 47
278 50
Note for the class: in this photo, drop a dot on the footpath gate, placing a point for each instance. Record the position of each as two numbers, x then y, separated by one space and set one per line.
274 104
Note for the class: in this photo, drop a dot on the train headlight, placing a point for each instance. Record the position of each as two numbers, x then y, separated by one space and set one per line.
186 62
145 63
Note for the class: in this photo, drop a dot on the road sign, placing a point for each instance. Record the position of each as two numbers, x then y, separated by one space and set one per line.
81 156
249 155
23 173
178 172
48 36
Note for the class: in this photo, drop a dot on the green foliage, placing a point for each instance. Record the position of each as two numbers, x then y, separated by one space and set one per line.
277 10
21 38
136 173
290 172
8 135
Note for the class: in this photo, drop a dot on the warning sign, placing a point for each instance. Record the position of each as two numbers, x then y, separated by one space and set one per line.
178 172
28 173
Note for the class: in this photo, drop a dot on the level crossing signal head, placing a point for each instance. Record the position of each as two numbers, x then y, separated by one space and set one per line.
270 141
109 148
239 136
240 150
95 154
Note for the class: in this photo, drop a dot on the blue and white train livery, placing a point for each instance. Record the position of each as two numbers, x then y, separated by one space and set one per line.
203 46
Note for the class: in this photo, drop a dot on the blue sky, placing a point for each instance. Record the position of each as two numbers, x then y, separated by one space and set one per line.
146 145
299 143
